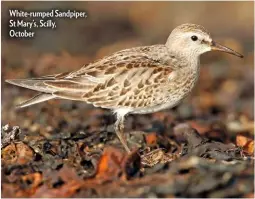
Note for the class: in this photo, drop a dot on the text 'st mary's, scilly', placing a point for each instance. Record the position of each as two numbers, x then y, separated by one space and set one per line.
37 19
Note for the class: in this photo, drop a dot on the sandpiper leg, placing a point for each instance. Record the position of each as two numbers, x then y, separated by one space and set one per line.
119 129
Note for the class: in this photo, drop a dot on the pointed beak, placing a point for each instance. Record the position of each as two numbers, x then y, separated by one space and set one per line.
219 47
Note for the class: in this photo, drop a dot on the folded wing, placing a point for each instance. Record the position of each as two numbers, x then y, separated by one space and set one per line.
111 82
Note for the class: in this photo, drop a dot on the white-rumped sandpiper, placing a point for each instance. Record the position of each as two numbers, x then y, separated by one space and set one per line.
138 80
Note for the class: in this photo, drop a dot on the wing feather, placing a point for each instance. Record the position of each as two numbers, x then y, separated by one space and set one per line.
120 80
68 85
123 79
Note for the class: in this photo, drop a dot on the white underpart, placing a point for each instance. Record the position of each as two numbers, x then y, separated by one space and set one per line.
121 112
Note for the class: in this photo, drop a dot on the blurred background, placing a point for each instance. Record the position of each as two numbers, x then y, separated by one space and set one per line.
225 90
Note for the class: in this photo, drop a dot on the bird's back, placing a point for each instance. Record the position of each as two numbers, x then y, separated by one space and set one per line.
108 82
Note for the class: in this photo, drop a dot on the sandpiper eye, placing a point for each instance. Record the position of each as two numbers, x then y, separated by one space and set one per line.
194 38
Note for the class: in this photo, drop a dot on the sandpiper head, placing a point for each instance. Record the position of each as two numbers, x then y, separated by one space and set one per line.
194 40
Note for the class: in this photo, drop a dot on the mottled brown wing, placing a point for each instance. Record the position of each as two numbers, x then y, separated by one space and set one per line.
129 80
38 83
